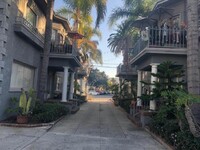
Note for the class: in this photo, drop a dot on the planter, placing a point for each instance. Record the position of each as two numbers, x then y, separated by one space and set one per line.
22 119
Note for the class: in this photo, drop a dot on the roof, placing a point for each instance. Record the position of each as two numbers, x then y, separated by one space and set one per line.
59 19
162 3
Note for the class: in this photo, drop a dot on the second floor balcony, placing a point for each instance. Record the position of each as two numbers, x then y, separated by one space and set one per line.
24 28
126 71
61 49
160 41
63 54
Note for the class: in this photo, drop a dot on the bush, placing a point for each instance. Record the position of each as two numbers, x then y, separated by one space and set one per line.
48 112
125 104
165 124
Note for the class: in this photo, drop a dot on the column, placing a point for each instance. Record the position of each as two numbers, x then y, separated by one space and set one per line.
139 88
71 86
84 88
65 80
81 85
153 70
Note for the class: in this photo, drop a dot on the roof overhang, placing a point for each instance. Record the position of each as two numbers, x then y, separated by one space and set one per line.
62 20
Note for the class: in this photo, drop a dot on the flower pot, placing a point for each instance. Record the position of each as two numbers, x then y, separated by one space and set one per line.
22 119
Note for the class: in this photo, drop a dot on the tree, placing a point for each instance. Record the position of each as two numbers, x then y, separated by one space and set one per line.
169 78
46 51
83 25
193 53
131 10
86 7
98 79
120 41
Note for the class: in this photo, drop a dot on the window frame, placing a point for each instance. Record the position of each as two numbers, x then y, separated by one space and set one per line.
24 66
34 24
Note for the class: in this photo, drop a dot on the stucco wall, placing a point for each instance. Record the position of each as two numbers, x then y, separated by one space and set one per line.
18 49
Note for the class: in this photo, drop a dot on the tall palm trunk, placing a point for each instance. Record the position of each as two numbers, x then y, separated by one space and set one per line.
126 49
193 62
47 45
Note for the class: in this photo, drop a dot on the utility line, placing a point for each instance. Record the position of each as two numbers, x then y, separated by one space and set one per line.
106 66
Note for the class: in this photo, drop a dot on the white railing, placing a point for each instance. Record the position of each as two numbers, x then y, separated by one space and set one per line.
161 38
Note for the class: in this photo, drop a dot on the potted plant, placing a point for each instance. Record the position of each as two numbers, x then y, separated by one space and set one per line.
25 106
22 108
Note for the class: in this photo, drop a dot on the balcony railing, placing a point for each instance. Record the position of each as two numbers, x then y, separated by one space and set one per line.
22 21
160 38
61 49
125 69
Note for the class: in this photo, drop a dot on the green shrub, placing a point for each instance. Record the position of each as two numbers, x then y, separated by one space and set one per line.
166 125
48 112
125 104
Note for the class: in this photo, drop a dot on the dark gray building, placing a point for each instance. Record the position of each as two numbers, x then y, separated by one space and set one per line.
21 43
22 28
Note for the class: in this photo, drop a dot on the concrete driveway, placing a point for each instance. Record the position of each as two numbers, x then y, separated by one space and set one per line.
99 125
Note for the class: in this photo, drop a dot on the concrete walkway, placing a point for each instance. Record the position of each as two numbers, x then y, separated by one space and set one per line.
99 125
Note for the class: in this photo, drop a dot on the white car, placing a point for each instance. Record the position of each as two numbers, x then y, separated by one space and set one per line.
93 93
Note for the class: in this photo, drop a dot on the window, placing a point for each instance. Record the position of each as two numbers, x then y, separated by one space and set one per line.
31 16
53 36
22 77
61 39
58 83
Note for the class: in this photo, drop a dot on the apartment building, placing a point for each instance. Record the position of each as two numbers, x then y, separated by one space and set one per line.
22 29
22 40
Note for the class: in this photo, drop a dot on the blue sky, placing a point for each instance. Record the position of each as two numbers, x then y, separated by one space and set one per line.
110 61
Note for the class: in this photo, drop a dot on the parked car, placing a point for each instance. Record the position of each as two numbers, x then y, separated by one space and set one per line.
93 93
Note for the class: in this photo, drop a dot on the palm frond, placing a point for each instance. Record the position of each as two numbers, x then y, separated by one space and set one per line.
119 13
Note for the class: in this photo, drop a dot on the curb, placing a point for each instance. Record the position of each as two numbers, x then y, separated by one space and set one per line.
134 121
51 124
160 140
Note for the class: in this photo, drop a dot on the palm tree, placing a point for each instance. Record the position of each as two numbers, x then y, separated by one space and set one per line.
47 44
83 24
193 53
132 10
120 41
85 6
87 46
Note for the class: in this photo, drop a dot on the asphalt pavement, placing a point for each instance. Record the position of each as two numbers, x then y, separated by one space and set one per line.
99 125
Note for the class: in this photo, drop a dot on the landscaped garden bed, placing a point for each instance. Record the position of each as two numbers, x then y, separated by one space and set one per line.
42 115
27 110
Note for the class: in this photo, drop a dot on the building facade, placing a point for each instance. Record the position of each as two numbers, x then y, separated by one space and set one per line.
22 29
164 38
22 41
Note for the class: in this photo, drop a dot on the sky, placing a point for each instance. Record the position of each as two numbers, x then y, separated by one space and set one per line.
110 61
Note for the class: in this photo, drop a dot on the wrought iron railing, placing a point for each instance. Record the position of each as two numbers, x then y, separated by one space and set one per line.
22 21
61 49
125 69
160 38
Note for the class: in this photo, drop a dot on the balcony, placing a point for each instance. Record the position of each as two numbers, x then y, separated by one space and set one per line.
28 31
126 71
62 55
61 49
82 72
160 41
